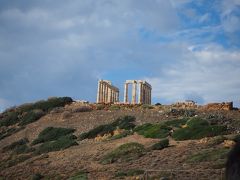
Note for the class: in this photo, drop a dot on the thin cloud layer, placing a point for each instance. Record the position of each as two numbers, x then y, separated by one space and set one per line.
56 48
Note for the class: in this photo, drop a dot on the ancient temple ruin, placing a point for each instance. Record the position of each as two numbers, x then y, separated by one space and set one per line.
144 92
107 93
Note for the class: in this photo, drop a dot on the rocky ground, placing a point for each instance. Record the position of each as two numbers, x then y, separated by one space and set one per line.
87 154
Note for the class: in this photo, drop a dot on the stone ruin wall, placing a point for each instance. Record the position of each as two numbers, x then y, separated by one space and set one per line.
219 106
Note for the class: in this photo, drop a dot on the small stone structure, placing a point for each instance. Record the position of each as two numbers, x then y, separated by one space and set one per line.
144 92
107 93
186 104
219 106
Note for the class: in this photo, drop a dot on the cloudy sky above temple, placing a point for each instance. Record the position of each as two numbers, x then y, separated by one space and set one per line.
186 49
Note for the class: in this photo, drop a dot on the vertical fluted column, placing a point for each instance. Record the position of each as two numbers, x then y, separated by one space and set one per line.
126 93
101 92
117 96
98 92
104 92
109 95
134 91
150 95
140 95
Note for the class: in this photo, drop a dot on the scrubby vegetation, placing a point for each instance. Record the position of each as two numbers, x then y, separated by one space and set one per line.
176 122
160 145
125 122
197 128
82 175
31 112
61 143
19 147
121 135
9 131
125 152
114 107
52 133
54 139
131 172
147 106
209 155
153 130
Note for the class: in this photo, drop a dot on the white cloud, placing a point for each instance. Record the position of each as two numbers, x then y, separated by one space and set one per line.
210 74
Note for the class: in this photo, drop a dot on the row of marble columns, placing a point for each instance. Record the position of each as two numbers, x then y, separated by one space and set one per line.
144 92
107 93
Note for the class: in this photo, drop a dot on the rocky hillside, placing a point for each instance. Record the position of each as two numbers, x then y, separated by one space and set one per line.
62 139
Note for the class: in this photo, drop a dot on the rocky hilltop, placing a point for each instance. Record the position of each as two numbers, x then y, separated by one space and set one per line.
61 139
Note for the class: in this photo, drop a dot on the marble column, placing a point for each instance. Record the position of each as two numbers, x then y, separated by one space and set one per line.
126 93
134 91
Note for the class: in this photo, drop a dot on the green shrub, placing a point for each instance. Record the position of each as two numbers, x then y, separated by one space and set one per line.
237 138
82 175
147 106
61 143
14 160
196 123
114 107
131 172
100 106
9 132
9 119
125 152
122 135
176 122
216 140
52 133
198 133
160 145
31 116
153 130
47 105
209 155
125 122
19 147
32 109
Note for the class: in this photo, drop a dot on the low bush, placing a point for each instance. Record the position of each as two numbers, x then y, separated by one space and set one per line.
114 107
121 135
18 147
47 105
209 155
14 160
31 116
176 122
82 109
125 152
61 143
15 144
52 133
9 119
196 123
153 130
216 141
147 106
125 122
82 175
198 133
160 145
100 106
131 172
9 132
31 112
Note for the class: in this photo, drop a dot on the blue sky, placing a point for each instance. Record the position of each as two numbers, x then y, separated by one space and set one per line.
186 49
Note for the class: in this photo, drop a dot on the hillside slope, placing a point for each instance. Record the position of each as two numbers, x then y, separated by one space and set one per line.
201 156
